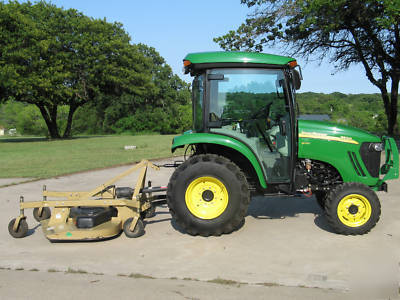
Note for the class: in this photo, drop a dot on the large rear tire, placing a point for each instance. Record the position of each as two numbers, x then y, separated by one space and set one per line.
208 195
352 208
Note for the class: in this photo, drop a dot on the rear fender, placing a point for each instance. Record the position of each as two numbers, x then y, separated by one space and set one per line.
208 138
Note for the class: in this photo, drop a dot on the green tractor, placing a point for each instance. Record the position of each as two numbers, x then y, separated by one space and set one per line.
247 139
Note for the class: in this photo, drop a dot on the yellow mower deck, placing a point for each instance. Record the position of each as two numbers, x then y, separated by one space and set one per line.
60 226
69 232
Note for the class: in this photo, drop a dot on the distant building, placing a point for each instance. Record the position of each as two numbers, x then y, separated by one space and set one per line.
314 117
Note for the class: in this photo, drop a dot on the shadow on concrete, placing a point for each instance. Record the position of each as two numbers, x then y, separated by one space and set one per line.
151 221
148 221
282 207
321 222
33 230
177 227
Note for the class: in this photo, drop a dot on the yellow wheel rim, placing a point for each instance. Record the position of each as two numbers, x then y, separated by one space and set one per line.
206 197
354 210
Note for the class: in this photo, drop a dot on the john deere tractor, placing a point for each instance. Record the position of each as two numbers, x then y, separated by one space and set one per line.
247 139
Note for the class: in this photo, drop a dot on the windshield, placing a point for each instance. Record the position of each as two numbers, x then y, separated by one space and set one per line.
244 93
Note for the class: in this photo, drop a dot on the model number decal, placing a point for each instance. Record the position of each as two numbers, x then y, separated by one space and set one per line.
324 136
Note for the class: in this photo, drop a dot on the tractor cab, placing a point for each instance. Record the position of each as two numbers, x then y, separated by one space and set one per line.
248 97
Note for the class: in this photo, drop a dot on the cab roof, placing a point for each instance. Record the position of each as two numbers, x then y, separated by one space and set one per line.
237 57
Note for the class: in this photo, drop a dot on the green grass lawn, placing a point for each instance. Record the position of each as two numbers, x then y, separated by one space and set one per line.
40 158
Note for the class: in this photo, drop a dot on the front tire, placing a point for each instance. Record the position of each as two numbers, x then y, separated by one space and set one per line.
208 195
352 208
320 196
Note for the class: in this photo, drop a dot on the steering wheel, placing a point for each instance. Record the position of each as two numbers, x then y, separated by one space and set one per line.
266 138
264 113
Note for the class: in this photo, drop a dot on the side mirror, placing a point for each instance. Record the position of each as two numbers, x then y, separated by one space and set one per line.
296 79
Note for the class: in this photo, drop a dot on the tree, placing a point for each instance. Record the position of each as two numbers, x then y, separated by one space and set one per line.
349 32
164 108
51 57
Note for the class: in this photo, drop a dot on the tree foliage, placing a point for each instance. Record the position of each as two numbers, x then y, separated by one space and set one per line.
164 108
365 32
51 57
363 111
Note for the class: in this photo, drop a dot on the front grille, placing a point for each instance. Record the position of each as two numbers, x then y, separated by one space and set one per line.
355 163
371 159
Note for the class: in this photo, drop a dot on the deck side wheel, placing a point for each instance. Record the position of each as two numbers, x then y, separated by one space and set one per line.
21 231
46 214
137 231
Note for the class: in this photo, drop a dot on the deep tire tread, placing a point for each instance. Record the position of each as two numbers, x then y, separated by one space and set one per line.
321 196
337 193
235 222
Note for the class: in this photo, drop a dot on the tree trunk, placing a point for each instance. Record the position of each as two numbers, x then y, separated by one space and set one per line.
386 105
393 106
50 117
72 109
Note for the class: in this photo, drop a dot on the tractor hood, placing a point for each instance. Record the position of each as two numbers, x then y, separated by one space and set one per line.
334 132
337 145
344 148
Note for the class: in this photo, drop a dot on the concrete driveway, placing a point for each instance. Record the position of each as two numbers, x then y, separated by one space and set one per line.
285 242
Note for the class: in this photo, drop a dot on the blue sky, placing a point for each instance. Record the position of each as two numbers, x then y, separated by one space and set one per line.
177 27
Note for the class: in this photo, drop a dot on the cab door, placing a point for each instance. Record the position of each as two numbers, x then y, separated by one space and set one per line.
252 105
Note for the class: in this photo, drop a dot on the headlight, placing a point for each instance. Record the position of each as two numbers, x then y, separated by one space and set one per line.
378 147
